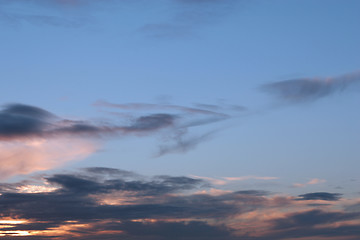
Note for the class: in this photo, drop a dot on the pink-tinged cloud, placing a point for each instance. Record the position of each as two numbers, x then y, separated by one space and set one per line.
214 181
30 155
102 203
311 182
33 139
227 180
244 178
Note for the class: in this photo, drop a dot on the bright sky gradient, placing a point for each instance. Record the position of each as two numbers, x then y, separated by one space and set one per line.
180 119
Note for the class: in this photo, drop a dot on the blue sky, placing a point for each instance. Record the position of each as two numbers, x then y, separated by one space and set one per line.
243 95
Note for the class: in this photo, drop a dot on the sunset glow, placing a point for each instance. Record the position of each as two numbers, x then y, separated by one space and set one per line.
179 120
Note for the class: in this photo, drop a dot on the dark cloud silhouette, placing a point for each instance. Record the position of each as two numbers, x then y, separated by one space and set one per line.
312 218
309 89
176 230
77 199
106 203
22 120
19 120
315 224
320 196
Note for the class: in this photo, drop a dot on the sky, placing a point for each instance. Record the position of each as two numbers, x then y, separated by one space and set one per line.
179 119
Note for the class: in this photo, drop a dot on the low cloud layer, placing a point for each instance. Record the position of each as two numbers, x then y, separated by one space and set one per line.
310 89
104 203
320 196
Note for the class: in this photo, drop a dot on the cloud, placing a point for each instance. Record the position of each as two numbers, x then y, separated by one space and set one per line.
77 195
176 120
151 122
105 203
214 181
320 196
29 155
19 121
182 145
183 16
310 89
244 178
34 139
43 13
313 181
317 224
188 16
227 180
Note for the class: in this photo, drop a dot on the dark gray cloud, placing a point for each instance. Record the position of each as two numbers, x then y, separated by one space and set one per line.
163 207
309 89
173 122
312 218
314 224
177 230
320 196
22 120
77 196
19 120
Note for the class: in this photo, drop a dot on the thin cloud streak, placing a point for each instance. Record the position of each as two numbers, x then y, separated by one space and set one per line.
313 181
228 180
310 89
244 178
178 122
320 196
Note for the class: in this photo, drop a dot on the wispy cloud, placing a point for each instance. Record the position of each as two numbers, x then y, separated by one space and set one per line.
42 13
227 180
187 16
313 181
34 139
178 121
310 89
183 16
244 178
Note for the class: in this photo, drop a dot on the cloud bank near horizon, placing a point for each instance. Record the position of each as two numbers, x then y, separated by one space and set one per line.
103 203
